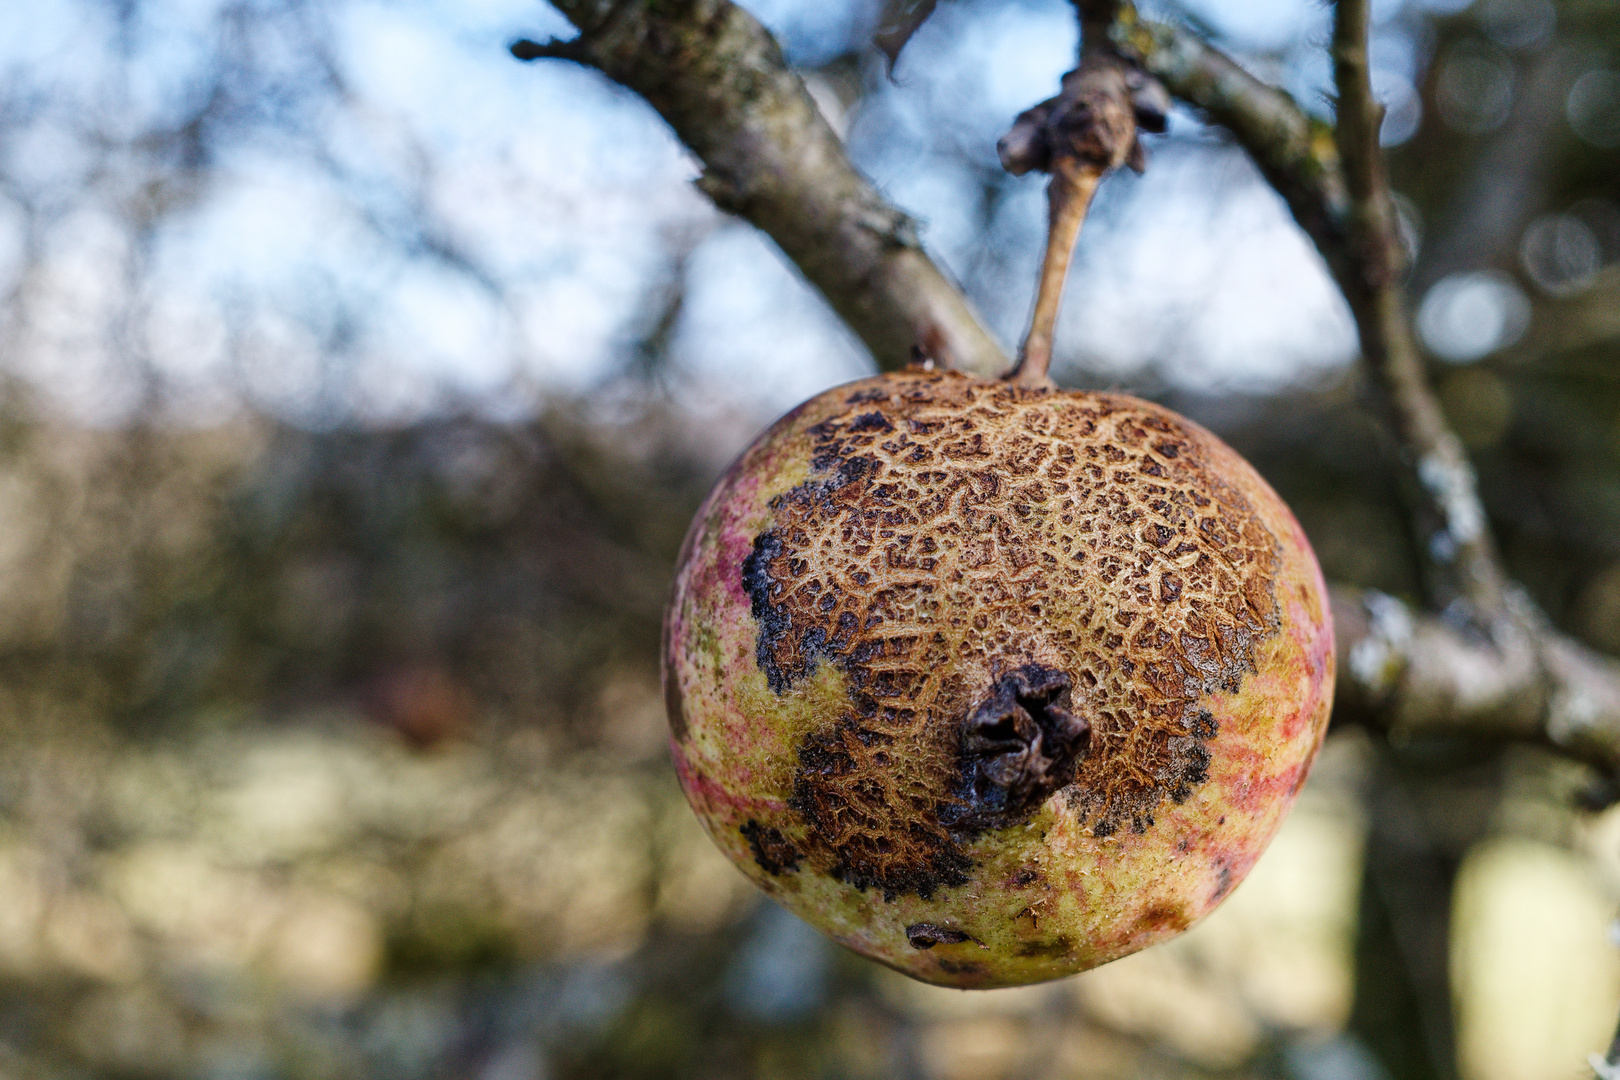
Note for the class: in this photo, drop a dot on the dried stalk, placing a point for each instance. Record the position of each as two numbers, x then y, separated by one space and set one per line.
1068 197
1081 135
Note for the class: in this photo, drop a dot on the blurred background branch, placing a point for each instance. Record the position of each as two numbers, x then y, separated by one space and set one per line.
1451 525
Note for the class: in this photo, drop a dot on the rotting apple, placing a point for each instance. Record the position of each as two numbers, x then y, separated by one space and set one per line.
994 684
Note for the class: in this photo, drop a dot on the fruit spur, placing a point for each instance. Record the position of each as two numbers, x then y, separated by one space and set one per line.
994 684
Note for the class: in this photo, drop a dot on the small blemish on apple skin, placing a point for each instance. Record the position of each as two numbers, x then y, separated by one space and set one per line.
1057 947
966 969
1223 882
1165 917
927 935
772 851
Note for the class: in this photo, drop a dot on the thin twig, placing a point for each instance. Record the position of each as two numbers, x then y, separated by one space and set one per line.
1451 519
1068 196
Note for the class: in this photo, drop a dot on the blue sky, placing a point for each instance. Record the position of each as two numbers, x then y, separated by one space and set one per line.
301 273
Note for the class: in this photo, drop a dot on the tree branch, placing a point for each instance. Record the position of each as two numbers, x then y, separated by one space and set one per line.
1334 184
719 79
1461 556
1294 152
1491 666
1418 675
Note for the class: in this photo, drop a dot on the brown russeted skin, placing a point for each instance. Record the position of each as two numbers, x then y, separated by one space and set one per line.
994 684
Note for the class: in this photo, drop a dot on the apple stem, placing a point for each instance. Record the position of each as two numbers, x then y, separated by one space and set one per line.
1086 131
1068 197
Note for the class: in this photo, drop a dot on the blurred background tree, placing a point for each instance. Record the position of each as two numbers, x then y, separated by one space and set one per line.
359 384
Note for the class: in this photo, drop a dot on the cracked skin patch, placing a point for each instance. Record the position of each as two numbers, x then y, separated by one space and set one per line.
1026 592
